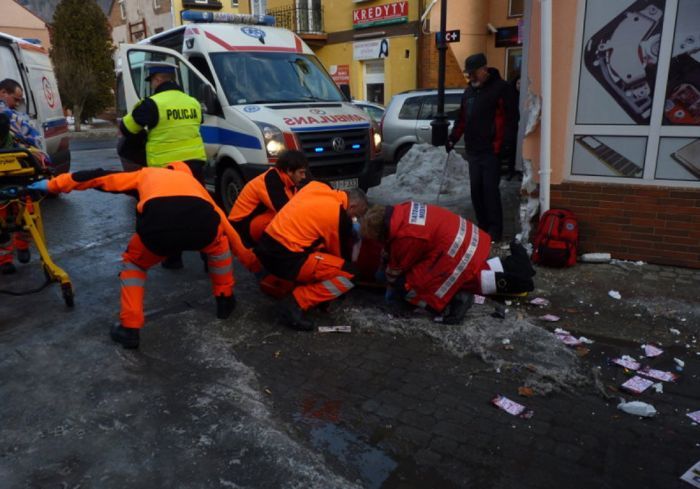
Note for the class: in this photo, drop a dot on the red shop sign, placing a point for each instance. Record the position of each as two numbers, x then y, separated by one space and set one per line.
389 13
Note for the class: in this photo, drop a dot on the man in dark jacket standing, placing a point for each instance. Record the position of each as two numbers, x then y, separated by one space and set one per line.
488 121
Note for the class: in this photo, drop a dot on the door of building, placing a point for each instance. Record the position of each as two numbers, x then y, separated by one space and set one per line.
374 80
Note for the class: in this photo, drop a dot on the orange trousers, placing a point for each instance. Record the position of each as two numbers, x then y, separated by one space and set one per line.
321 279
20 240
137 259
259 223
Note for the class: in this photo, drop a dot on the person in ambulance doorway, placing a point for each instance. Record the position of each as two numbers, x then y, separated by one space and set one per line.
17 132
438 260
308 245
488 119
174 213
168 121
265 195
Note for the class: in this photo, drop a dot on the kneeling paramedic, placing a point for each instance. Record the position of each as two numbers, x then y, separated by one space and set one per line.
438 259
265 195
309 244
174 213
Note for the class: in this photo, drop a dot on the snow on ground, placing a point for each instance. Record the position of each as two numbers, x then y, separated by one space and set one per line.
426 174
548 364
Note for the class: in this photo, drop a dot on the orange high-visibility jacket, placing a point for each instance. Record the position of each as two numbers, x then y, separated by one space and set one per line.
148 184
312 220
269 191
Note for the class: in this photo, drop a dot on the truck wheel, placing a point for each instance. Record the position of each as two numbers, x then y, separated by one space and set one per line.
230 185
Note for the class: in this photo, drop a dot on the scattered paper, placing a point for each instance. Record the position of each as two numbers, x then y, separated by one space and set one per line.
585 340
479 299
334 329
692 475
627 362
695 416
651 351
637 384
679 362
658 387
615 294
550 317
674 331
505 341
512 407
539 301
568 340
526 391
658 374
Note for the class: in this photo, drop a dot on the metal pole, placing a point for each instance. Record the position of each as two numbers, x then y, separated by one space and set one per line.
440 124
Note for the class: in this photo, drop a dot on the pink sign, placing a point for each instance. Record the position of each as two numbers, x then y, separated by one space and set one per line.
388 13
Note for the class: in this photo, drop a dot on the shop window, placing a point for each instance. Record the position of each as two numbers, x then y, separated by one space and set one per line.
514 63
516 8
638 99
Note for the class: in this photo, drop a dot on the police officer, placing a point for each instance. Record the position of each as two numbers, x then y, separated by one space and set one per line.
170 120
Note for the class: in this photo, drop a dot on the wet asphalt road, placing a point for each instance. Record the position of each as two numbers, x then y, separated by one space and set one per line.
399 403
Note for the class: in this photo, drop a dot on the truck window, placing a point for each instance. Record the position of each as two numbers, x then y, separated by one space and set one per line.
263 77
201 64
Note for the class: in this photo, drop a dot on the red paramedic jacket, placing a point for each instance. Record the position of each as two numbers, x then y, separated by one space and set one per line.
438 251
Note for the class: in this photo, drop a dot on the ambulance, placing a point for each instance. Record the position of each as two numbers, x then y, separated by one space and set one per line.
262 91
29 65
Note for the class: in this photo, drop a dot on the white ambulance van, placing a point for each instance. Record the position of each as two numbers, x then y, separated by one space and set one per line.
30 66
263 91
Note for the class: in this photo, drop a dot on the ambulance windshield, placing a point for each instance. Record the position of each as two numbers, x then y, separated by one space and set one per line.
258 78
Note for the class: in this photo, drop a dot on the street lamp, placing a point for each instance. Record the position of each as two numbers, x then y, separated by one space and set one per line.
440 124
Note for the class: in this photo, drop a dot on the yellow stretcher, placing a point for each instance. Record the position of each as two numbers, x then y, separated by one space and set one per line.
18 168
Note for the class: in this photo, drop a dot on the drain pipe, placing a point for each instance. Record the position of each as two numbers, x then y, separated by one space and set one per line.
546 118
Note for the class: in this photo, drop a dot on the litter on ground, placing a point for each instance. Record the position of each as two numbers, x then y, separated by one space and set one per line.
512 407
627 362
615 294
651 351
334 329
637 408
637 384
692 475
658 374
550 317
539 301
695 416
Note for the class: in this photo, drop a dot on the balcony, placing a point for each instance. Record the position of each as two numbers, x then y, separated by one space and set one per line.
305 21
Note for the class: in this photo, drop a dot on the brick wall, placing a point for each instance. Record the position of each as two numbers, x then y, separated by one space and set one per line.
655 224
428 65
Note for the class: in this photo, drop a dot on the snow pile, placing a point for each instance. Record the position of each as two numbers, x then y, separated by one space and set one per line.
544 361
426 174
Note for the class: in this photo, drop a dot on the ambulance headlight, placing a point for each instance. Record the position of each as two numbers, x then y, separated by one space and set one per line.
274 139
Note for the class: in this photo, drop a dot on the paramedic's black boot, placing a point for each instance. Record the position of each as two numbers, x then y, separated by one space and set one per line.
518 262
8 268
225 306
173 262
127 337
511 283
294 316
458 307
23 256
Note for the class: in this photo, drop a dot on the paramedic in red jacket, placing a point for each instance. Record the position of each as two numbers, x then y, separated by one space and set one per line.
174 213
266 194
488 119
437 259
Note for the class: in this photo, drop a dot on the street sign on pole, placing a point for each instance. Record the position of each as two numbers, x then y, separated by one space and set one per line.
440 124
450 36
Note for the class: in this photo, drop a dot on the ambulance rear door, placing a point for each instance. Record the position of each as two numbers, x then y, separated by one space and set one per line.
133 58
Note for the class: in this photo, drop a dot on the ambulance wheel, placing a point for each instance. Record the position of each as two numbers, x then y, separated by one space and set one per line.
230 186
67 291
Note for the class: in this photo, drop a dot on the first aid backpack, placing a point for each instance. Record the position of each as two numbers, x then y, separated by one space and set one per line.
556 239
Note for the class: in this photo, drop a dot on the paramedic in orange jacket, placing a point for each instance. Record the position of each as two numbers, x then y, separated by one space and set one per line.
438 259
174 213
266 194
309 242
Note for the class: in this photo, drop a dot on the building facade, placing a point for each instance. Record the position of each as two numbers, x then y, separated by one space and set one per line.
492 27
133 20
20 22
623 124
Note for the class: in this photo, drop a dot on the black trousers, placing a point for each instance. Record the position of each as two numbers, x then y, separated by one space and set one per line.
485 176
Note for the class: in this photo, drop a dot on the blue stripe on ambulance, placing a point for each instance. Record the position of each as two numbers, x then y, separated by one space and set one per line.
218 135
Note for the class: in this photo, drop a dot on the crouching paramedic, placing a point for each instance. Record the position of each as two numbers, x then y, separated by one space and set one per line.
309 243
174 213
438 259
265 195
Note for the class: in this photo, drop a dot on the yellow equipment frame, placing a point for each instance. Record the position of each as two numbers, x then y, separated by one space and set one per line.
17 169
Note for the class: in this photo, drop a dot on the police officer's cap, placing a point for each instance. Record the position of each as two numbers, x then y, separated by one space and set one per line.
153 67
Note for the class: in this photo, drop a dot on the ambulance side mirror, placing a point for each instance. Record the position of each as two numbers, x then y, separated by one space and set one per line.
209 100
345 89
